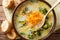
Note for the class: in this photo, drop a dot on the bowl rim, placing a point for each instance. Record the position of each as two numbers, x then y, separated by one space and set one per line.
53 27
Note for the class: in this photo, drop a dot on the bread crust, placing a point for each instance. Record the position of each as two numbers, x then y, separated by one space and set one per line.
12 34
6 26
9 4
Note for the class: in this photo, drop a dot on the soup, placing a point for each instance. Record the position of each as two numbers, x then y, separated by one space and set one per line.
28 17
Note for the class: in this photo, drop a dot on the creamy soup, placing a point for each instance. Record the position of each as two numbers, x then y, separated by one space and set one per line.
28 17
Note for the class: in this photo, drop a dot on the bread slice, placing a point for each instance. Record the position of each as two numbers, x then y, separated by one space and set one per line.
12 35
9 3
6 26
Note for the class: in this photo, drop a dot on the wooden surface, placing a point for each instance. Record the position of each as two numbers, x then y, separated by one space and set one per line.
53 36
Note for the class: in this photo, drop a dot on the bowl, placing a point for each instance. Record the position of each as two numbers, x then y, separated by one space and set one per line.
53 27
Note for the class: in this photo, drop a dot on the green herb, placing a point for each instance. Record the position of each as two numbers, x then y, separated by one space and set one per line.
39 32
23 23
35 33
25 10
16 15
40 9
45 26
43 10
22 33
50 25
30 36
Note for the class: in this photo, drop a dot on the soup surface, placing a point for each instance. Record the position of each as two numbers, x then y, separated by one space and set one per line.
28 17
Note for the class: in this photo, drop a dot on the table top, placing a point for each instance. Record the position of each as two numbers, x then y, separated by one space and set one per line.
53 36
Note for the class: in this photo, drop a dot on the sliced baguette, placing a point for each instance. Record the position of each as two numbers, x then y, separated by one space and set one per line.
12 35
6 26
9 3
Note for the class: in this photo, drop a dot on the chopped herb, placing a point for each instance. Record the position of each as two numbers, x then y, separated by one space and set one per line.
39 32
30 36
20 21
22 33
25 10
50 25
23 23
43 10
16 15
34 32
45 26
40 9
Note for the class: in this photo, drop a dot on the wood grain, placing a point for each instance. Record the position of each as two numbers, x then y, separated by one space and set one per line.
1 9
2 16
0 2
54 36
57 32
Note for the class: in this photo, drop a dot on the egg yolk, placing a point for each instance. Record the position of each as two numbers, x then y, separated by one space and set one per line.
34 17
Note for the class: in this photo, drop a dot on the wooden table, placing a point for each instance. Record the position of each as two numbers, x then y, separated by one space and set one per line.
54 36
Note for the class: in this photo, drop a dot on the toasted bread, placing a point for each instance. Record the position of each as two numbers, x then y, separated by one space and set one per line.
9 3
6 26
12 34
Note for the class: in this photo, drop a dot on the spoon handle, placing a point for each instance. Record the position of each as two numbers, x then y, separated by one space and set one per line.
53 6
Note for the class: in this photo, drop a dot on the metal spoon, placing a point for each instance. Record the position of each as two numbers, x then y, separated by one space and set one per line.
44 18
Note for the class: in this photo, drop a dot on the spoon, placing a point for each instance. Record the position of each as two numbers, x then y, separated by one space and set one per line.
44 18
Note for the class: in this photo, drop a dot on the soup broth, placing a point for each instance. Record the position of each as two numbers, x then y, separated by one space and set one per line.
28 17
